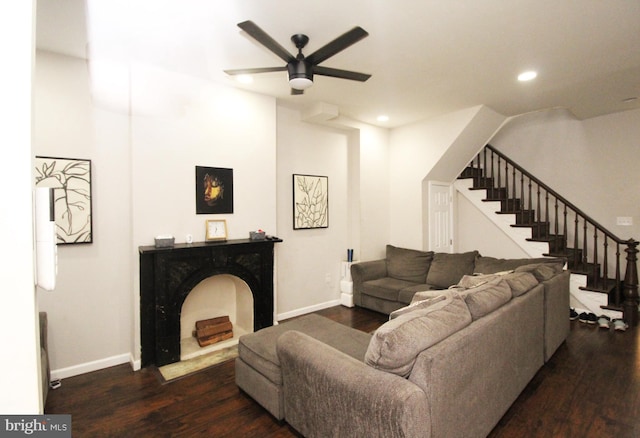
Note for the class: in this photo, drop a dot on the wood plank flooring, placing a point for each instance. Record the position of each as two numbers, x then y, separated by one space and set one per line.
590 388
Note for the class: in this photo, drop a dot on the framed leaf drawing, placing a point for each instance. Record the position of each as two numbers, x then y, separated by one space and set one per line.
310 202
71 180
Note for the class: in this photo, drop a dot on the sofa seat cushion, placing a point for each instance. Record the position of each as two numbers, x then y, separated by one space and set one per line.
486 297
386 288
406 295
408 264
258 349
396 344
447 269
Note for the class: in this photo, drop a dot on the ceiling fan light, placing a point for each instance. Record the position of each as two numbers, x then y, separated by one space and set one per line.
300 83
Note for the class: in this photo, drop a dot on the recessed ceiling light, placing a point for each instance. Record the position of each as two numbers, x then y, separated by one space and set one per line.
383 118
527 76
244 79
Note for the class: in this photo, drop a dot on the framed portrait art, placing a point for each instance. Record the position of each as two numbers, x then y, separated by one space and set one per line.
310 202
214 190
71 180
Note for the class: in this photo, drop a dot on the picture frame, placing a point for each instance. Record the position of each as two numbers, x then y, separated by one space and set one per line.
214 190
71 180
215 230
310 201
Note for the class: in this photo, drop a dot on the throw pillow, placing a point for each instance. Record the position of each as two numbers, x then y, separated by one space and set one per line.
396 344
426 294
468 281
418 304
484 299
408 264
520 282
447 269
542 271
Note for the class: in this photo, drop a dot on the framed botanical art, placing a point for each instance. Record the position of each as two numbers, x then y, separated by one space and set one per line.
310 202
71 180
214 190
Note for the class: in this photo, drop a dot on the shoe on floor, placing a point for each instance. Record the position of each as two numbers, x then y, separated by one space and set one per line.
573 315
592 318
583 317
604 321
620 325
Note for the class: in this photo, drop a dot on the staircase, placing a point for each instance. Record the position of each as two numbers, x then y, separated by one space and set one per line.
551 222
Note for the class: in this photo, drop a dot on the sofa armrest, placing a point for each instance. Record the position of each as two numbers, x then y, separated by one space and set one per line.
556 303
365 271
327 393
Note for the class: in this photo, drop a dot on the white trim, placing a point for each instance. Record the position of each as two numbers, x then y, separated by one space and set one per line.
88 367
305 310
136 364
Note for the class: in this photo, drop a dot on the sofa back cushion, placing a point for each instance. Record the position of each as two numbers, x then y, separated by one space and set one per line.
408 264
487 297
491 265
396 344
519 282
447 269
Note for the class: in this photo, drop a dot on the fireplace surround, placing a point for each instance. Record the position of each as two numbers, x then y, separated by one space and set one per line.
167 275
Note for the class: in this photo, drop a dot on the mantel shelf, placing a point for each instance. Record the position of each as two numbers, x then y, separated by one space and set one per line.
178 246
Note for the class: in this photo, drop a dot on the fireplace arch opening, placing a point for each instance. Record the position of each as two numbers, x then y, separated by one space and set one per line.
218 295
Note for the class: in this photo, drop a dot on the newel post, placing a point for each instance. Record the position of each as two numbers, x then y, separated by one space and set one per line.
630 305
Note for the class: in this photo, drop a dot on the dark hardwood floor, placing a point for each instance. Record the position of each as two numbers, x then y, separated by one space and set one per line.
589 388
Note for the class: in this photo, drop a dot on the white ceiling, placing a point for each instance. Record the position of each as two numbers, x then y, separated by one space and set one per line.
426 57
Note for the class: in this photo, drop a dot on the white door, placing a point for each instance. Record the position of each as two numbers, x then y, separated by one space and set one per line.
440 217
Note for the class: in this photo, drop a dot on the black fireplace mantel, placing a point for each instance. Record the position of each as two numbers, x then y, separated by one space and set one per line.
167 275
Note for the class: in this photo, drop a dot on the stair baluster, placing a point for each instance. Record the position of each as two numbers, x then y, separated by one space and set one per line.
486 170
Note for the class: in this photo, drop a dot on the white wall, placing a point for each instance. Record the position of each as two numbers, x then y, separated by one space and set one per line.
20 367
417 153
309 260
474 231
178 123
370 190
143 176
593 163
90 318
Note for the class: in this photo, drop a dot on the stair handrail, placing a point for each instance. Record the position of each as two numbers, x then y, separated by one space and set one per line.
630 290
559 197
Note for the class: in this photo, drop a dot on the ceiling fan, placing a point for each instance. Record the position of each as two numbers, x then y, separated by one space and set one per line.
302 68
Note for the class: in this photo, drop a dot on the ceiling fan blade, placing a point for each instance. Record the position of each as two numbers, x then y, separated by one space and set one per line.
295 92
250 71
337 45
342 74
263 38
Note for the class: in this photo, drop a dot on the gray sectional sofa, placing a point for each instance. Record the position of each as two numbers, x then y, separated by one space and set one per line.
448 364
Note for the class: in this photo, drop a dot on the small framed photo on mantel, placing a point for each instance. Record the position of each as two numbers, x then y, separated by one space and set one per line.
216 230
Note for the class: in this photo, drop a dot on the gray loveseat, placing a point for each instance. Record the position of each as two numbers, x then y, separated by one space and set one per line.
448 365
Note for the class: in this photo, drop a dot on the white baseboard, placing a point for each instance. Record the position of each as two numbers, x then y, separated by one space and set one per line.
88 367
305 310
135 364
